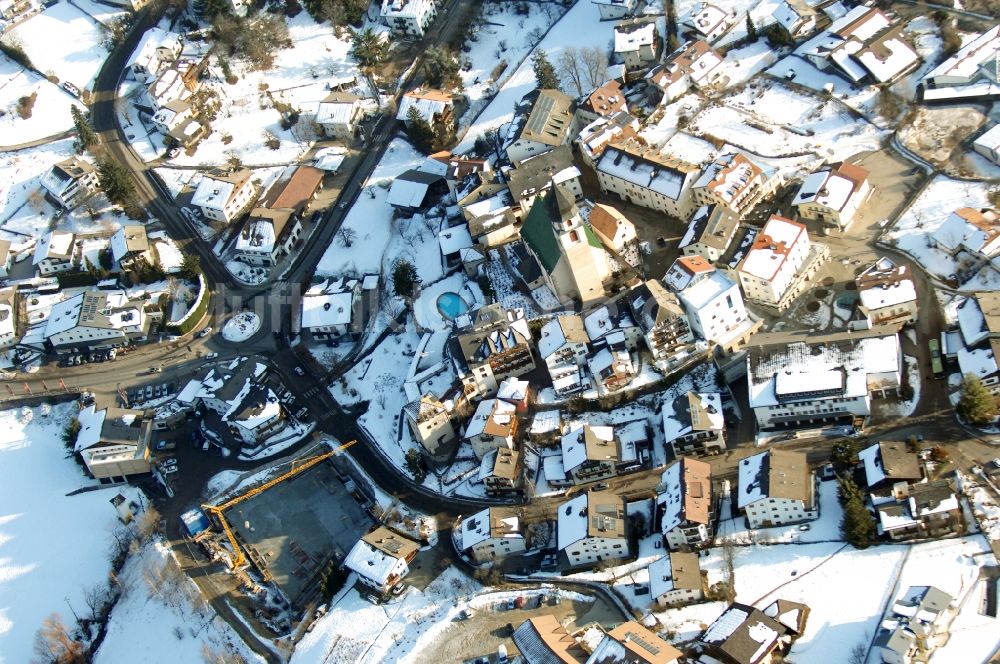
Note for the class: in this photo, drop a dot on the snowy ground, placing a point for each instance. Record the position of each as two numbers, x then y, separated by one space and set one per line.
50 114
52 546
66 42
913 230
161 616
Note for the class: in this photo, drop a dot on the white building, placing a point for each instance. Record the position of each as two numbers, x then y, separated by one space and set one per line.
637 43
70 181
988 144
796 17
864 46
776 488
113 442
493 426
548 125
267 236
708 22
434 106
96 319
968 229
563 348
642 176
381 559
979 323
338 114
591 453
224 196
157 49
128 244
332 308
663 322
8 317
801 379
887 293
713 303
408 18
614 9
6 258
969 75
492 344
734 182
833 196
675 579
430 422
172 115
693 65
594 137
778 264
491 535
56 251
684 505
592 528
694 423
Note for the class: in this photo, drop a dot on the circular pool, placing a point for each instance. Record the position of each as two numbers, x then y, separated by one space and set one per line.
451 305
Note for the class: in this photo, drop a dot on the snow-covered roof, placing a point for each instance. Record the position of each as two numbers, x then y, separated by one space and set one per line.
888 58
372 556
429 103
327 307
53 245
546 421
862 22
707 18
513 389
454 240
571 521
492 522
772 246
744 633
153 40
410 188
774 474
702 291
646 169
559 331
634 38
885 284
967 61
91 421
337 108
493 417
330 159
405 8
214 191
980 361
588 443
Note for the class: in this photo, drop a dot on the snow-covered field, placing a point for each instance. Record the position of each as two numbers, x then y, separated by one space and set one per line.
52 546
50 114
161 617
913 230
65 42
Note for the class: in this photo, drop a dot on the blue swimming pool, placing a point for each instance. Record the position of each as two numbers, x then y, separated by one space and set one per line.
451 305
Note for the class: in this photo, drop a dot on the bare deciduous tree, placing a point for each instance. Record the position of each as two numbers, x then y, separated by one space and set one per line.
96 597
54 644
571 67
346 236
595 65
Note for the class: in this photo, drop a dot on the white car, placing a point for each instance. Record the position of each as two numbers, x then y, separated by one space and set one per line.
299 371
204 333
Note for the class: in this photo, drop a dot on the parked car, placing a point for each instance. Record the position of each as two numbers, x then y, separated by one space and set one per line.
299 371
169 470
165 445
204 333
149 391
156 370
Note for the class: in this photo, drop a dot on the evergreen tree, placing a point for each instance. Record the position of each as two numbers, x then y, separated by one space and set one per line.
86 137
367 47
404 278
545 74
440 66
209 9
844 453
116 182
751 29
976 405
857 526
420 131
190 266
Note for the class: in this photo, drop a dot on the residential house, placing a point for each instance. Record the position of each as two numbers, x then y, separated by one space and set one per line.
746 635
734 182
643 176
710 231
707 22
563 242
793 616
381 559
631 643
333 308
5 258
713 303
172 115
56 251
339 114
864 46
896 644
408 18
548 126
8 317
979 324
685 505
414 189
591 453
988 144
593 138
430 423
592 527
675 579
157 49
295 189
500 472
436 107
563 348
186 134
694 423
613 228
546 428
465 175
968 75
918 511
129 244
780 263
801 379
796 17
543 640
637 43
887 293
833 196
114 442
889 464
605 101
613 368
490 217
175 82
12 11
255 414
96 319
491 535
267 236
663 322
968 229
493 426
693 65
224 196
516 392
610 326
536 176
70 181
919 624
776 488
614 9
491 344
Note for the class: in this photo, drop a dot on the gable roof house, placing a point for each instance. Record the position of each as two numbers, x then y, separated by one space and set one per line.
710 231
593 138
267 236
707 21
637 43
776 488
493 426
548 125
414 189
604 101
746 635
780 263
113 442
988 144
922 510
156 49
613 228
979 324
694 423
888 463
96 319
968 75
338 114
864 46
543 640
563 347
968 229
553 169
631 643
612 9
833 196
381 559
128 244
685 505
56 251
592 453
796 17
171 115
713 303
887 293
927 612
224 196
491 344
333 308
491 535
663 322
435 106
675 579
500 472
694 65
295 189
70 181
735 182
592 527
643 176
430 422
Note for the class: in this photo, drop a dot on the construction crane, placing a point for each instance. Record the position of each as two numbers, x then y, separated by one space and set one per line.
298 466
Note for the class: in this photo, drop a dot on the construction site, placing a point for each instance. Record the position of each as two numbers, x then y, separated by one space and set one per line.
291 528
